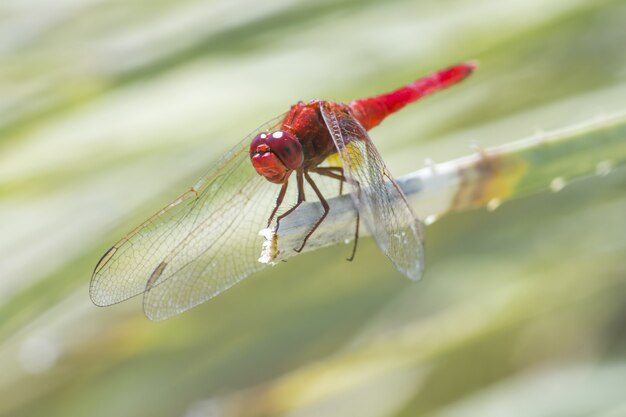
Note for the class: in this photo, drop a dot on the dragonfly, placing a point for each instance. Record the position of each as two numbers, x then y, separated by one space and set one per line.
207 239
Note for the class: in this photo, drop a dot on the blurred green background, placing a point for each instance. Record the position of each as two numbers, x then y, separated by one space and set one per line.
109 109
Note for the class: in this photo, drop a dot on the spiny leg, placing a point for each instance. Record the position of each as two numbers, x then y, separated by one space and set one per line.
301 198
321 219
279 201
332 172
356 237
327 171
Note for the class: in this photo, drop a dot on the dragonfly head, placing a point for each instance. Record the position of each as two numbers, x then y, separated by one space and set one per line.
275 154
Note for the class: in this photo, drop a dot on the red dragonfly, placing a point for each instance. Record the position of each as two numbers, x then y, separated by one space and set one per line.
208 239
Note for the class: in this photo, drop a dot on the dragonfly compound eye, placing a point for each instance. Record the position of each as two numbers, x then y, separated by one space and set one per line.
287 147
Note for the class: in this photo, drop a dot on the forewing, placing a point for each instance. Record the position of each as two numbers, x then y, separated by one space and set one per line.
196 247
381 204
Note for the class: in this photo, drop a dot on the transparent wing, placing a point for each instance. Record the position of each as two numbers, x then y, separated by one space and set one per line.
381 204
199 245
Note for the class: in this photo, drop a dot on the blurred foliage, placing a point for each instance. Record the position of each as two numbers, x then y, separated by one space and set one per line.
109 109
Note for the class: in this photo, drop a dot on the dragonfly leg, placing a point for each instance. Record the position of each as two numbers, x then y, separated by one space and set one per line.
356 237
279 201
328 172
331 172
301 198
321 219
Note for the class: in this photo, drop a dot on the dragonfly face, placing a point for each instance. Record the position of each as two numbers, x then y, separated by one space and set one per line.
275 155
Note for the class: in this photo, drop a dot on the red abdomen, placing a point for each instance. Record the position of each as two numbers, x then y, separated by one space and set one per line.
371 111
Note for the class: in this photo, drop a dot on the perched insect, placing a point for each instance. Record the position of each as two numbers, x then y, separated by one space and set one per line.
207 239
